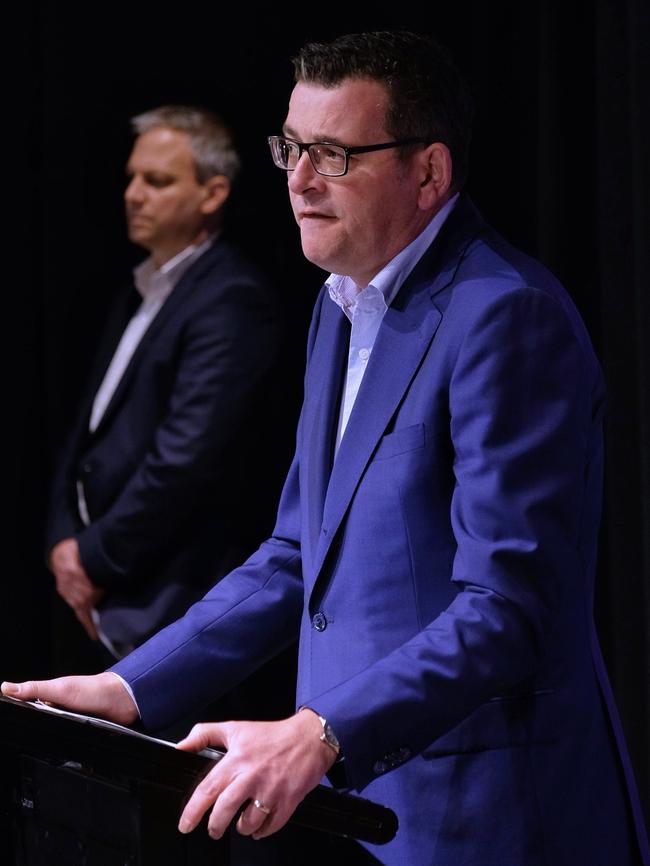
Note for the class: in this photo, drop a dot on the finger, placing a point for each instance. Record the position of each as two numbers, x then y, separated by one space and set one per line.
203 797
275 821
86 620
228 804
203 735
252 818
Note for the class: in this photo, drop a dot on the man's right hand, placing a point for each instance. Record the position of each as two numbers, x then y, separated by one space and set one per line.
101 695
73 584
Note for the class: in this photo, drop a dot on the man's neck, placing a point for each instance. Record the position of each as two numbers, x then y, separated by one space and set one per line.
161 256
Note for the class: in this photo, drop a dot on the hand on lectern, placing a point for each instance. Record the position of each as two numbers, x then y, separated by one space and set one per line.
101 695
268 769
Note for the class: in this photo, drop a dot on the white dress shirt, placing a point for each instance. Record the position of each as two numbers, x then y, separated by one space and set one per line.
366 308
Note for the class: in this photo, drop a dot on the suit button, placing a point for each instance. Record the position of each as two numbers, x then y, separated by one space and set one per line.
319 621
391 760
399 756
87 468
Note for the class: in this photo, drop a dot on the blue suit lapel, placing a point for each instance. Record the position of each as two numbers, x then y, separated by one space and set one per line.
400 346
406 332
323 389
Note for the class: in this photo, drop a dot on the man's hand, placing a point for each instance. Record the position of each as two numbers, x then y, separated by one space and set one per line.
271 764
100 695
73 584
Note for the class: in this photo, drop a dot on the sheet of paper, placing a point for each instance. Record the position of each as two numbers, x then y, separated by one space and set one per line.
112 726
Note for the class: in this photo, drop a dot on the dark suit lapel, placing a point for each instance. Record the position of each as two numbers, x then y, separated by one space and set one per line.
172 304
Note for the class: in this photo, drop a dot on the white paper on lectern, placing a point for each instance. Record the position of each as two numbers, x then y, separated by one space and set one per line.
113 726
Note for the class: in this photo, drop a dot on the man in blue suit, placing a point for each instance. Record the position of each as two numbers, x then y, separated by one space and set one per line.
148 508
436 538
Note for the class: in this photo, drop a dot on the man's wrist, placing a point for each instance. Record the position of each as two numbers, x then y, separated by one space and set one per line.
127 690
327 735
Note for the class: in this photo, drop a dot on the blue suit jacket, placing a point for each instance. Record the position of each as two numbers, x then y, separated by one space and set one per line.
162 473
440 572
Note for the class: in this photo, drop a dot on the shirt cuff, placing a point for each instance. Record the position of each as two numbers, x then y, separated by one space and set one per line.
128 689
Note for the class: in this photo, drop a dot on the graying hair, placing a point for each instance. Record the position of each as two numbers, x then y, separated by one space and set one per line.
211 141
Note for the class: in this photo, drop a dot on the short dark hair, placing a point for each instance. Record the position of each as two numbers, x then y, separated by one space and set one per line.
428 98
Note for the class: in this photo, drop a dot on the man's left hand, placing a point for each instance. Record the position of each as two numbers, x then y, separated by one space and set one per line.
271 764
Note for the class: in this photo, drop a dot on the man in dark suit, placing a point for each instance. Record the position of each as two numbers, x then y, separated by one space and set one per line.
148 503
436 538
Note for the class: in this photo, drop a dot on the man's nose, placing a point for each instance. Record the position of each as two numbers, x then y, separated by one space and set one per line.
134 190
304 176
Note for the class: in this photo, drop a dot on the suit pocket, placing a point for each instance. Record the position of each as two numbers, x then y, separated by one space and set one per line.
504 722
400 441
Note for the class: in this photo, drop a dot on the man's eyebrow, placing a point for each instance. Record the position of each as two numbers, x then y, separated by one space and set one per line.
325 139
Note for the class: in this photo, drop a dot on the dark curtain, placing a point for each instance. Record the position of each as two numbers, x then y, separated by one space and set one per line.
559 165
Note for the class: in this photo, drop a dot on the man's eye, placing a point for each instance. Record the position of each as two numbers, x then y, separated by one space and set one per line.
330 156
158 180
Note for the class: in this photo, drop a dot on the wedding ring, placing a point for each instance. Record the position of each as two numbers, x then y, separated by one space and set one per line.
259 805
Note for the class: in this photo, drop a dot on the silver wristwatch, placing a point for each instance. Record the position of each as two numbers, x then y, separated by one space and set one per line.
328 736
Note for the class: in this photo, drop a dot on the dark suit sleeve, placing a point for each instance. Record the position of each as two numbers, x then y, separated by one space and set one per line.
228 343
63 519
63 516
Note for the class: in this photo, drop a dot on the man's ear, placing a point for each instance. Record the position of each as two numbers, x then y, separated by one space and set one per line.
217 190
435 175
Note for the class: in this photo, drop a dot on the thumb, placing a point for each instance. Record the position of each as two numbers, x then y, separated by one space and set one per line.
23 691
203 735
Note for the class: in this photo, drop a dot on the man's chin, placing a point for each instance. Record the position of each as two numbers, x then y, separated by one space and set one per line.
138 236
318 254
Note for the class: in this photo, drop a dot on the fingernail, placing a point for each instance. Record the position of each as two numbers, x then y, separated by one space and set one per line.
11 688
184 825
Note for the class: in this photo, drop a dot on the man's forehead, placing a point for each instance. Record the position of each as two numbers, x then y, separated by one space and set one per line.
354 105
162 144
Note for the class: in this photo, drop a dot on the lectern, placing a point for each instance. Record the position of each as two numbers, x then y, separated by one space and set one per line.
79 791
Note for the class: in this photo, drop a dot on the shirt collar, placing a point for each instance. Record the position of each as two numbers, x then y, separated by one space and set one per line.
150 280
385 285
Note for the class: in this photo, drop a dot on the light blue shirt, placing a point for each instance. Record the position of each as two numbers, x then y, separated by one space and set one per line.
365 308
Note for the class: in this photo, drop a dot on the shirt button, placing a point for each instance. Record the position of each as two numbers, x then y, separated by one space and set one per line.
319 621
364 354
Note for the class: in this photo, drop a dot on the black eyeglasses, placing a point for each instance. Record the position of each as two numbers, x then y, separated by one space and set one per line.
328 159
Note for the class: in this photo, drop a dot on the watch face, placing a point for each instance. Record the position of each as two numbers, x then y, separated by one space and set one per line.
331 736
328 735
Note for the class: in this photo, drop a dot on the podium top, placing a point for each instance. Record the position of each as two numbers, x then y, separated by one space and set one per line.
117 752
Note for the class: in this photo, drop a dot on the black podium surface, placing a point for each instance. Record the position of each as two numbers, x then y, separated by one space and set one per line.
76 791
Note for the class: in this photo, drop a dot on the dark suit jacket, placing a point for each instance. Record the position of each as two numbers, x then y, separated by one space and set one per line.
164 474
441 572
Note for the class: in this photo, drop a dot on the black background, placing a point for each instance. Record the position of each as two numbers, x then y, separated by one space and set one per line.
559 165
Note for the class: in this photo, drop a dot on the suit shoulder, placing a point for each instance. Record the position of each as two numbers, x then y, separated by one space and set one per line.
492 271
224 272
